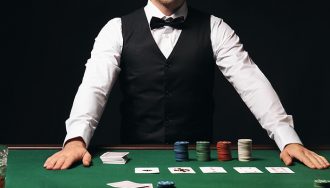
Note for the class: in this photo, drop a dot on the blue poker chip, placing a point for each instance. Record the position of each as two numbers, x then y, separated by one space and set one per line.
165 184
181 151
181 143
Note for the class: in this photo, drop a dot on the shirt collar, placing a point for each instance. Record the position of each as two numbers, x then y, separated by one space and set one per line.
151 10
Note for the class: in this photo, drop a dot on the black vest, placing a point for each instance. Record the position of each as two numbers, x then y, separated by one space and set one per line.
165 100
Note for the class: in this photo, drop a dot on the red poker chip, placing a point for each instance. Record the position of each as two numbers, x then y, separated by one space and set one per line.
224 151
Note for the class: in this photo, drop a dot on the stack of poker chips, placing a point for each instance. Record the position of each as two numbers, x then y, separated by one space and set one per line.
203 150
181 151
244 147
321 183
224 152
165 184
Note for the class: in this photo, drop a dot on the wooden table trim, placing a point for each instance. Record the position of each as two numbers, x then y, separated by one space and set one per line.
141 147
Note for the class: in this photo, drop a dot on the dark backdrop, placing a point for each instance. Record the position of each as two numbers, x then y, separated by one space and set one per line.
47 43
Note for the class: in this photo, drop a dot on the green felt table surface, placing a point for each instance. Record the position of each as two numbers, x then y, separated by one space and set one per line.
25 169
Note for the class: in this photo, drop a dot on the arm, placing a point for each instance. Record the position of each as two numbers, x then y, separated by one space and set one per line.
101 73
258 94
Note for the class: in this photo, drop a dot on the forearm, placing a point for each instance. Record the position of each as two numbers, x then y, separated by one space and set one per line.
85 114
264 103
251 84
102 70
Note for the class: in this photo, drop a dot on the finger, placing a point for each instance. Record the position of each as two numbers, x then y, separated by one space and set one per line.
67 163
87 158
50 164
51 158
325 160
314 160
59 163
322 160
304 159
286 158
47 161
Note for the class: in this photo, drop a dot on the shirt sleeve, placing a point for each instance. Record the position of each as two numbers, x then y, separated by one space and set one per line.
251 84
102 70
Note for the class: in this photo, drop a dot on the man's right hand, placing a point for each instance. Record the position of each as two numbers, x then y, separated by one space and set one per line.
73 151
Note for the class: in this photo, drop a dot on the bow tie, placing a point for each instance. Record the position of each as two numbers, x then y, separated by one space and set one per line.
176 23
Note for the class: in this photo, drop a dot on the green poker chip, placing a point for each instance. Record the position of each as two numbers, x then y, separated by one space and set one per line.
203 150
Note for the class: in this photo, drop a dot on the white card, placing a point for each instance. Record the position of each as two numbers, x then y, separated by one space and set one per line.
130 184
279 170
124 184
153 170
113 155
147 185
213 170
251 170
181 170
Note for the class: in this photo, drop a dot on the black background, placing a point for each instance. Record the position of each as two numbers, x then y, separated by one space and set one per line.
46 44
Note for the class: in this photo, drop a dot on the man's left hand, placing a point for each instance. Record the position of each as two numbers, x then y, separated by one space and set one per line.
307 157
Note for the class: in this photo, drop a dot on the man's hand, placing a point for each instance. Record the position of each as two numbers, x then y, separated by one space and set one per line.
299 152
73 151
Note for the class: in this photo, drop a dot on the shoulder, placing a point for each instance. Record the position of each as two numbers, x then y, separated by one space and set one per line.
110 31
215 21
112 26
113 23
218 25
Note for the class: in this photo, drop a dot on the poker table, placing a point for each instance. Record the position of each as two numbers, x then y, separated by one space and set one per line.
25 169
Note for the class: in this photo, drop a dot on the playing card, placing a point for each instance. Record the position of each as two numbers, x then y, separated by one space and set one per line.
124 184
247 170
147 185
114 157
279 170
181 170
130 184
213 170
153 170
107 155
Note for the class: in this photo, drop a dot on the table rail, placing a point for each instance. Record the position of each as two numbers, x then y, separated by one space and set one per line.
142 147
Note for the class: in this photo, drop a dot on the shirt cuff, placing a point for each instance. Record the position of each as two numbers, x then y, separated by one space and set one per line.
82 130
285 135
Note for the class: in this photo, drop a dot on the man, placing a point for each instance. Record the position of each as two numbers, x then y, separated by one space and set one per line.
165 54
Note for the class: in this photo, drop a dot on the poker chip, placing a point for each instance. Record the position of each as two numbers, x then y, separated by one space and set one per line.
321 183
203 150
224 151
165 184
181 151
244 147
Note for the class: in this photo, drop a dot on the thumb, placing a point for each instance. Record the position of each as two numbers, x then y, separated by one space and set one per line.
286 158
87 158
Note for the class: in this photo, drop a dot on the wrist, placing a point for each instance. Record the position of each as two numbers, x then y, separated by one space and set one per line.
75 142
292 145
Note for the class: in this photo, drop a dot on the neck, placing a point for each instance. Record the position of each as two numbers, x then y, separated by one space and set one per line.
169 8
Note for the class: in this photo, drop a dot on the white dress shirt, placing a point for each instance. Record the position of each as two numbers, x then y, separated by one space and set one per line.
103 68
